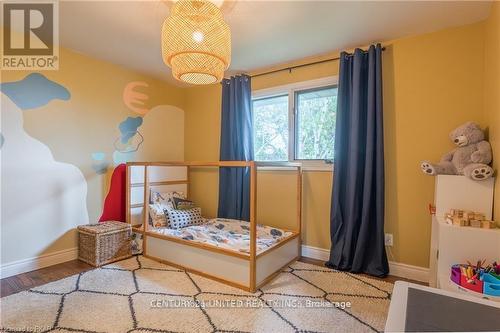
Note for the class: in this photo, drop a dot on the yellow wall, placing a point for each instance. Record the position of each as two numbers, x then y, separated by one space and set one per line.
202 122
88 123
492 92
432 83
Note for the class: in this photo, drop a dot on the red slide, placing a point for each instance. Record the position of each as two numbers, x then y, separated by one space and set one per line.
114 204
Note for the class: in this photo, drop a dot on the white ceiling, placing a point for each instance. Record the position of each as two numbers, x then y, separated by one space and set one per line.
264 33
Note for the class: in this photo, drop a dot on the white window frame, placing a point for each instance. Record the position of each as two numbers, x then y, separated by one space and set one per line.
290 90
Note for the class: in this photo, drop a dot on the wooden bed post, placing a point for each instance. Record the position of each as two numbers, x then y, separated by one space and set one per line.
145 210
127 194
188 171
299 207
253 226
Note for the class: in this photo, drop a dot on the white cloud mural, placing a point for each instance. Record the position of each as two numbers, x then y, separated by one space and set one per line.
42 199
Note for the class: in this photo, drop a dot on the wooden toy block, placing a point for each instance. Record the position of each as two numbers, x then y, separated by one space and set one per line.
468 215
475 223
479 216
486 224
464 218
459 221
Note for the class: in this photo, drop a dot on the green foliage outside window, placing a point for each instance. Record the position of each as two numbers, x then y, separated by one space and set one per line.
271 128
315 125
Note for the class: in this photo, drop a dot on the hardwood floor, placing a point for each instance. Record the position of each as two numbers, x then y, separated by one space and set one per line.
17 283
20 282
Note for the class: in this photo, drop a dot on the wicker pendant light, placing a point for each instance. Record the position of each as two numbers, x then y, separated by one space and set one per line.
196 42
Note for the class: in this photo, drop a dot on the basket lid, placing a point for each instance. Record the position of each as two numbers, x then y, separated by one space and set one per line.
104 227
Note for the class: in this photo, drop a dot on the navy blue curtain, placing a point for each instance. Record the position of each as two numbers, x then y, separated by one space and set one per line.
357 210
236 145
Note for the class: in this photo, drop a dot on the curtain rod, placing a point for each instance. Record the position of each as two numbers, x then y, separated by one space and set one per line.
289 69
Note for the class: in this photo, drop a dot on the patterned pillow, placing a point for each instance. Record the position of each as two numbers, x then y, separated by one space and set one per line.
182 204
165 197
158 203
184 218
157 216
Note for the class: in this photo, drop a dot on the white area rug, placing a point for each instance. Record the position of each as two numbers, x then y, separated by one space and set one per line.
141 295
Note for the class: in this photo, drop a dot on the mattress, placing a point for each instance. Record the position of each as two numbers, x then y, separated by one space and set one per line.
228 234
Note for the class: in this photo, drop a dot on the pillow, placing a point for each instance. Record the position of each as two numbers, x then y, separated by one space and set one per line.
158 203
157 217
184 218
182 204
165 197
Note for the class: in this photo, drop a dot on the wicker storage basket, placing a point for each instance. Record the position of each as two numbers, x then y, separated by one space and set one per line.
102 243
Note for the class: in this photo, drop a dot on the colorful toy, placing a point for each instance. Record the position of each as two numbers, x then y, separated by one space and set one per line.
478 278
491 285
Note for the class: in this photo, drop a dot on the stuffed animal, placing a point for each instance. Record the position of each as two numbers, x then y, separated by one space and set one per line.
470 158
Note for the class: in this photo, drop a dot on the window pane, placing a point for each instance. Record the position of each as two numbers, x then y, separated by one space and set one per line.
271 128
315 123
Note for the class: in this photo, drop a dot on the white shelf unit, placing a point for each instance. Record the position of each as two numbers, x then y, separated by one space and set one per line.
453 244
463 193
459 245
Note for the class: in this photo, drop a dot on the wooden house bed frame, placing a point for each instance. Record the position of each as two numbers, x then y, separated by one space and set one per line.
247 271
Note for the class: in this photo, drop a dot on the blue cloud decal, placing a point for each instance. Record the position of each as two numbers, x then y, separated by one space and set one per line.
131 145
128 128
99 163
98 156
34 91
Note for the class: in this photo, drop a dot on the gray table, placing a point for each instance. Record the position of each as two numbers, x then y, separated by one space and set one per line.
416 308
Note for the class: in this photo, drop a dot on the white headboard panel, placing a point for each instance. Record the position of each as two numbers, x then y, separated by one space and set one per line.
158 173
160 179
136 216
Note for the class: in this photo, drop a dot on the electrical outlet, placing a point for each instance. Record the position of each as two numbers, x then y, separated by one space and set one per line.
388 240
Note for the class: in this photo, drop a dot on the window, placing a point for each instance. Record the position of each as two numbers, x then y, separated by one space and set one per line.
296 122
315 123
271 128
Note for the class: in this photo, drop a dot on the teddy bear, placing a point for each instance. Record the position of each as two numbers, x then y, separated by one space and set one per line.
470 158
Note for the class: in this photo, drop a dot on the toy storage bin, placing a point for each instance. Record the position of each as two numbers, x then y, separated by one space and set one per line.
491 285
475 285
102 243
455 274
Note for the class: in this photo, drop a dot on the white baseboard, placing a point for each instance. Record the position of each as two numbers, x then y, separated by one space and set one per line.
31 264
411 272
395 268
315 253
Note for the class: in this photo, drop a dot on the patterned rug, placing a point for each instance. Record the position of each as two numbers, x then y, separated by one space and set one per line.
141 295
